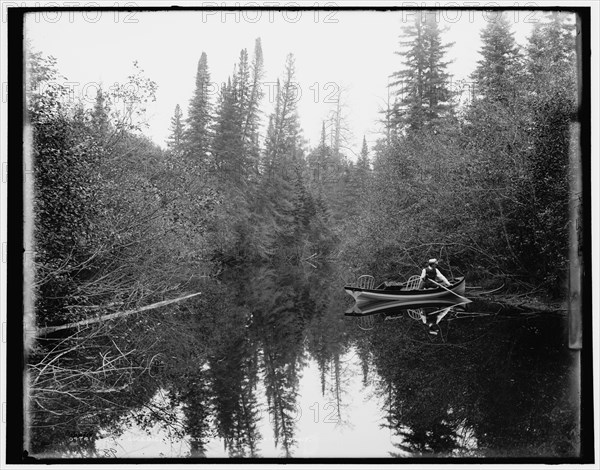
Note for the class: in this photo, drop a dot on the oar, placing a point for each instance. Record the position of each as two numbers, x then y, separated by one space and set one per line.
452 292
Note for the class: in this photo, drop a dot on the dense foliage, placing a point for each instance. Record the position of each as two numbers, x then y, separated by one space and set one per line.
246 218
484 187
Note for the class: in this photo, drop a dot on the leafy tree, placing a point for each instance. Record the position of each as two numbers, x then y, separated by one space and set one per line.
495 139
66 160
542 218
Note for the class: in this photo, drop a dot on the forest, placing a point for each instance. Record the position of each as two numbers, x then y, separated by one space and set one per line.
122 223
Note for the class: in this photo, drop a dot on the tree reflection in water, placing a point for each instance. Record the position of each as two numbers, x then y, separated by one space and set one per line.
494 385
486 385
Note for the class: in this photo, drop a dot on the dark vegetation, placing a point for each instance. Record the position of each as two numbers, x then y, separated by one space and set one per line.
498 388
121 223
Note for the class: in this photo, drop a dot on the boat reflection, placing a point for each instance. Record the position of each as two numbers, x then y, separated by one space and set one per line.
429 312
391 306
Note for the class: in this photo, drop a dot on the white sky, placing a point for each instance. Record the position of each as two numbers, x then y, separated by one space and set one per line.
349 50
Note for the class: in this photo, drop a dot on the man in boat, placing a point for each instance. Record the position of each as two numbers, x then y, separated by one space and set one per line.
432 273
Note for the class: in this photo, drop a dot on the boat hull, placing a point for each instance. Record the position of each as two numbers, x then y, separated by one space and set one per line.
457 288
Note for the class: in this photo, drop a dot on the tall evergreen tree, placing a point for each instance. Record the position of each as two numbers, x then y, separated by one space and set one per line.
498 73
175 139
251 125
199 115
363 170
363 158
227 146
283 143
235 145
423 97
551 55
100 114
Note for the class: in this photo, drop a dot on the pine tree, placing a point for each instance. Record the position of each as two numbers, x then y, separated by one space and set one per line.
242 85
235 145
251 125
423 97
100 115
227 143
319 160
551 55
283 143
197 135
175 139
498 73
363 158
283 153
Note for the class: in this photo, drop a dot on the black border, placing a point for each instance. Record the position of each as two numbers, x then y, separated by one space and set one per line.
587 311
15 454
15 360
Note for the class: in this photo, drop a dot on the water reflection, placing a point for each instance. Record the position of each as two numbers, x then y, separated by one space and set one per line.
474 388
428 312
266 363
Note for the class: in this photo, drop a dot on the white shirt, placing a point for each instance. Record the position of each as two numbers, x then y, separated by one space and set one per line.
438 276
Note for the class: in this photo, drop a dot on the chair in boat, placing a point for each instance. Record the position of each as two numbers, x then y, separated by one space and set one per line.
413 282
365 282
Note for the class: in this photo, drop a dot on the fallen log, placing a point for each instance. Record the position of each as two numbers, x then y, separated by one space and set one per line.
51 329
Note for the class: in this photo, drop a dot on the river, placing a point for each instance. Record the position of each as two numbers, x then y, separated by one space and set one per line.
269 364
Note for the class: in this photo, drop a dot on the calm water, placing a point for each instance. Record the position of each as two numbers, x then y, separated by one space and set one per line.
267 364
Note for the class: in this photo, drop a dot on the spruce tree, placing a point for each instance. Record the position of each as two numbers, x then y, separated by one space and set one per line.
252 115
319 159
197 134
283 153
100 122
248 96
551 55
283 143
363 158
175 139
498 73
422 94
227 149
235 145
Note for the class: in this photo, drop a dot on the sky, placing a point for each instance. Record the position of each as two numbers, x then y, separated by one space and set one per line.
351 52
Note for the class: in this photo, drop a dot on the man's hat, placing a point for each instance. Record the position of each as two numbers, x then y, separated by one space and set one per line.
432 261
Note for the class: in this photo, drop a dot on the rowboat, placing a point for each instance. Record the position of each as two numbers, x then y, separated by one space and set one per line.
405 292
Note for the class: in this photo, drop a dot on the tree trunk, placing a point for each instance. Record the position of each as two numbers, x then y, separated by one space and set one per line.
111 316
